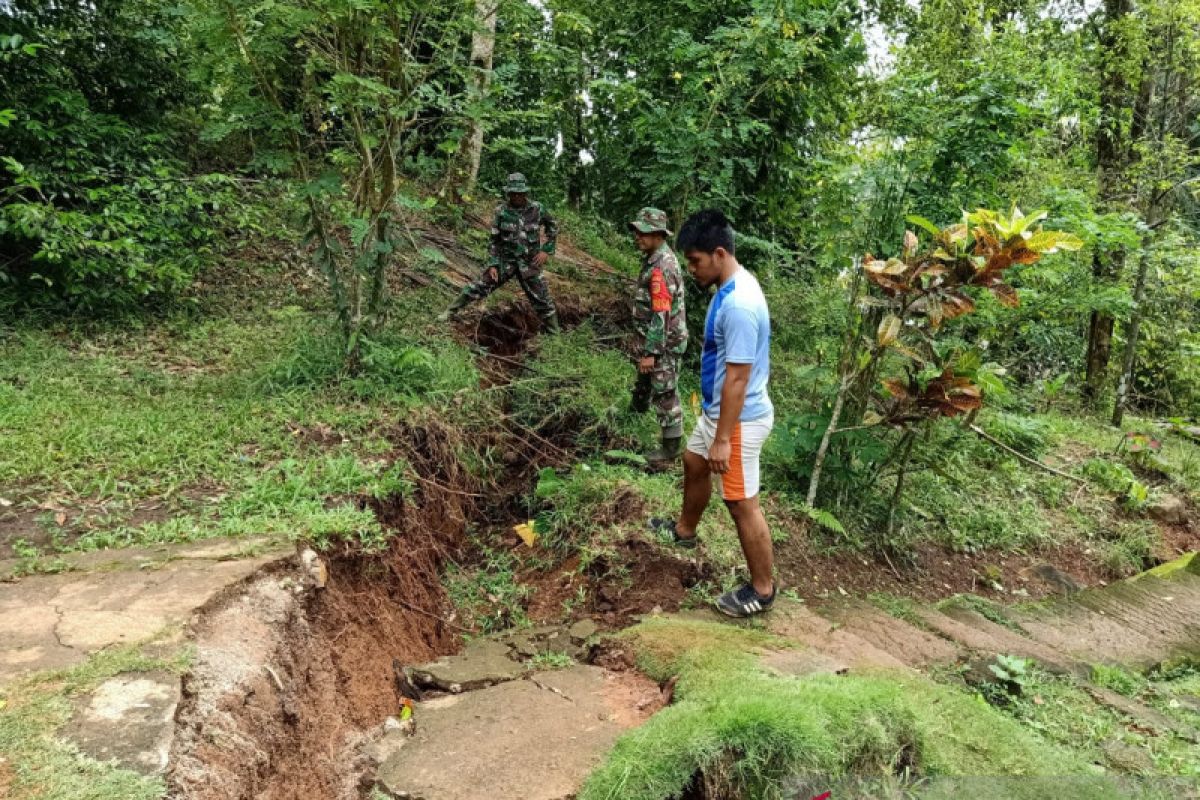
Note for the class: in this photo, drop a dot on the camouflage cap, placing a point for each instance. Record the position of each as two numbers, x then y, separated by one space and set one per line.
516 184
650 220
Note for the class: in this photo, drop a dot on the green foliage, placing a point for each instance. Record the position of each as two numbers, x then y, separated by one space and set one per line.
1112 476
488 595
727 104
551 660
1118 679
231 428
590 387
97 206
746 731
1057 708
576 506
340 94
1012 672
1025 434
392 367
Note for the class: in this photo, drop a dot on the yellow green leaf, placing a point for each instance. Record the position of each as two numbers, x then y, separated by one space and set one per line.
889 330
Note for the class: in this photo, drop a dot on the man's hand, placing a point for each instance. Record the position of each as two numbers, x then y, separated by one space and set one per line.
646 365
493 275
540 258
718 456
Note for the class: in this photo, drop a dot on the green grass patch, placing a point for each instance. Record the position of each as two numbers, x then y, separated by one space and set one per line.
584 390
488 595
1119 679
226 426
44 766
993 612
751 732
899 607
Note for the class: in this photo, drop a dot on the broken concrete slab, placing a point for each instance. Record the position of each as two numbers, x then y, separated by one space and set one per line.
482 663
520 740
1138 622
582 630
219 549
129 719
531 642
55 621
799 663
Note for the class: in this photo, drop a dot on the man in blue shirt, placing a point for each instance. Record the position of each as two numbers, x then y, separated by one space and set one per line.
737 416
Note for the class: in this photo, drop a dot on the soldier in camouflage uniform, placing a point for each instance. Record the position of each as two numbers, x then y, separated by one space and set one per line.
660 318
516 248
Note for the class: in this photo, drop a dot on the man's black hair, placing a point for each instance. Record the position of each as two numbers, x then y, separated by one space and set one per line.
705 231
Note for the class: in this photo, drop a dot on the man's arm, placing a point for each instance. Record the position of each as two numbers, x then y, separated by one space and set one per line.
550 226
546 250
654 331
493 259
733 397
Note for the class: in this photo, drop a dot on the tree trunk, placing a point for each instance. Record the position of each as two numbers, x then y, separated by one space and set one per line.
464 169
1112 153
1100 332
1125 383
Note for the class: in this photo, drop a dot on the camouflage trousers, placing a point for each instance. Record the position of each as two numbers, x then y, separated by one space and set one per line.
530 278
660 389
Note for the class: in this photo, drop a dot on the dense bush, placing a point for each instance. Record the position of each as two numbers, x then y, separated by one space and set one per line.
98 207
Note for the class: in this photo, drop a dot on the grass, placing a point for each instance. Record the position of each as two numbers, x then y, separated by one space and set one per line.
1059 710
220 426
551 660
753 733
590 390
993 612
488 595
46 767
899 607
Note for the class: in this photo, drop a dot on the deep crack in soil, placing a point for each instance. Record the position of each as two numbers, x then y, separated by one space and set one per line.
292 681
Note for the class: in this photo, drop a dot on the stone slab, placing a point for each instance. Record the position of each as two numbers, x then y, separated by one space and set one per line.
532 739
483 662
55 621
129 719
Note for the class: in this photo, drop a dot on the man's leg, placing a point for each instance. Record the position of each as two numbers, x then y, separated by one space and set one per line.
639 401
739 490
538 292
667 409
755 537
697 489
488 281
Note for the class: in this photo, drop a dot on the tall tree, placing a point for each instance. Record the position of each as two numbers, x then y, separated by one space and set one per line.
1120 69
1166 150
464 168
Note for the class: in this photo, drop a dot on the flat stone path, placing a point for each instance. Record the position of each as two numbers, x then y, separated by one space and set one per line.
535 738
114 597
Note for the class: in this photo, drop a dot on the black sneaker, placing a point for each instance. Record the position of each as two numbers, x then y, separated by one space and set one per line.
744 602
666 527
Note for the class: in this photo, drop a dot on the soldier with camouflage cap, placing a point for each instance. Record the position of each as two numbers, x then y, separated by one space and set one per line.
662 323
516 249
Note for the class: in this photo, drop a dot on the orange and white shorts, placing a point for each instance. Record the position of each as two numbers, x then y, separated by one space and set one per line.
741 482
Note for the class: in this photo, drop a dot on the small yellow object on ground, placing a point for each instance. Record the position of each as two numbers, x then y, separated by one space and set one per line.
527 533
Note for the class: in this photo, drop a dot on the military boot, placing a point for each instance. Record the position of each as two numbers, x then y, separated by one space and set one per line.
671 448
550 323
451 312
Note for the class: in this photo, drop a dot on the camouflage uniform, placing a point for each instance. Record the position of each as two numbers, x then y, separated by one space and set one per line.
515 240
660 318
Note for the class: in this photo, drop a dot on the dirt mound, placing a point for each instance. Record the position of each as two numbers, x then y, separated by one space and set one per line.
506 329
637 578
